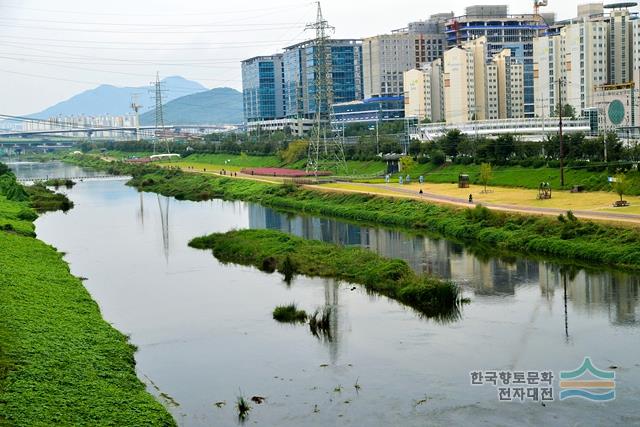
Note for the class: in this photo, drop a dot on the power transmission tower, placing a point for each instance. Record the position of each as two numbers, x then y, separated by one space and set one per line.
136 108
157 93
324 153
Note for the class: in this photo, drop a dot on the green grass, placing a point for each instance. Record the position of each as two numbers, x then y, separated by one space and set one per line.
60 362
393 278
289 314
234 160
518 176
574 241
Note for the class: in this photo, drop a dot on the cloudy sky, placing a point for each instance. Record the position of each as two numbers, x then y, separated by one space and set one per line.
50 51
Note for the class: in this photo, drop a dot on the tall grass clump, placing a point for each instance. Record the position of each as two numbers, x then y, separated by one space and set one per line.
289 314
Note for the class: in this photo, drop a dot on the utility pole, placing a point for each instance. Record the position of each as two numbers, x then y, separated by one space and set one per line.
561 82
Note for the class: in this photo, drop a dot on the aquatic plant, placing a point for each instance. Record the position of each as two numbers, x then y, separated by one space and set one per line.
289 314
243 408
320 323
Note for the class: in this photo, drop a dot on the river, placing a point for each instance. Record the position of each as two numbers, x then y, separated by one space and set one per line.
205 334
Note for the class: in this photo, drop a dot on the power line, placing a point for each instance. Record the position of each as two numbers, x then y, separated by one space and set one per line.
93 30
146 15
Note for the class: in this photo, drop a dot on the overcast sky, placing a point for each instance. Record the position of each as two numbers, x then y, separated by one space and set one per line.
52 50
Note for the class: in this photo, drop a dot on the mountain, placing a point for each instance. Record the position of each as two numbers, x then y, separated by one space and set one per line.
108 99
213 107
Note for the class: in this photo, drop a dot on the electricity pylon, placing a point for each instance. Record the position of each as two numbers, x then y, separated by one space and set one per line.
325 152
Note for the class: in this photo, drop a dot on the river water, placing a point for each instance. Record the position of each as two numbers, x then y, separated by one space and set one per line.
205 333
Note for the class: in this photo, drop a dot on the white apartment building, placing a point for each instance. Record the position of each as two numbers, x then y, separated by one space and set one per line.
505 87
424 97
464 88
465 95
577 54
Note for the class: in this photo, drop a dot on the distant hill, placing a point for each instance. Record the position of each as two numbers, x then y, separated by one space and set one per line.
213 107
108 99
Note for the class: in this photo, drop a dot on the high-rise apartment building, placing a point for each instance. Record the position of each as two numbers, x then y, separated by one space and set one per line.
620 60
505 87
503 31
599 48
262 88
465 95
386 57
577 54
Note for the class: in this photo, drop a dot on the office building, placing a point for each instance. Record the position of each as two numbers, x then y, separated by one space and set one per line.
371 110
262 88
300 82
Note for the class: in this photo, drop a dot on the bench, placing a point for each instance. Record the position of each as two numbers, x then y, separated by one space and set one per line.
620 204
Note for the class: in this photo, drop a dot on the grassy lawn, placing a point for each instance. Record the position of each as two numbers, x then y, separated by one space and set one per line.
594 201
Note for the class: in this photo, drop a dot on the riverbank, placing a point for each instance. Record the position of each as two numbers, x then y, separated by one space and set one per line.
272 250
60 362
563 237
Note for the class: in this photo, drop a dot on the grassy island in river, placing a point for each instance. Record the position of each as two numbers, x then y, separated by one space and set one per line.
272 250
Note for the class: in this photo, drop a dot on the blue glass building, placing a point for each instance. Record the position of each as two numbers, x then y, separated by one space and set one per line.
300 82
262 88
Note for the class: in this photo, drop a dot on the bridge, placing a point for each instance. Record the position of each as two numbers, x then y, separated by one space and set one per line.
89 131
536 128
76 178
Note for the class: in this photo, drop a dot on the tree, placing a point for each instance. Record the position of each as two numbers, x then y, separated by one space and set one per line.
485 174
621 184
297 150
567 110
406 162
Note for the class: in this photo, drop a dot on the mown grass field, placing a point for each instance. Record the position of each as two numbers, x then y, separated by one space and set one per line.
274 250
60 362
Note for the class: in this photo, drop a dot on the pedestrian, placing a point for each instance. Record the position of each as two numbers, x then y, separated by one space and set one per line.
470 198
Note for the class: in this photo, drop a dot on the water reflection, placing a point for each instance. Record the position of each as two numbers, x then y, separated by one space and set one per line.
613 293
163 206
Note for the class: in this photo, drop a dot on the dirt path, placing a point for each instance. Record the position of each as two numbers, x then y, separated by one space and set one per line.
439 198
